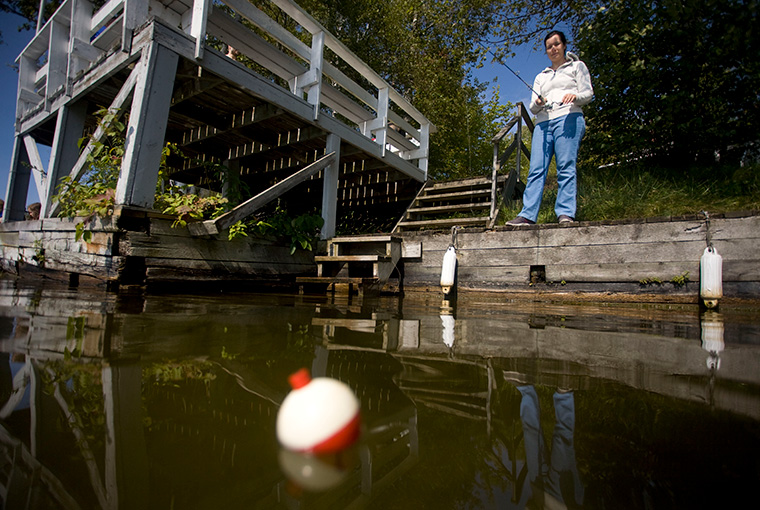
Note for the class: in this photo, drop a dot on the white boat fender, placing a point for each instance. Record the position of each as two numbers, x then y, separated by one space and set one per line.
711 277
448 271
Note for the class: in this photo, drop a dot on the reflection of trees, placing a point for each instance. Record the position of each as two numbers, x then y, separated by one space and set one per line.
77 389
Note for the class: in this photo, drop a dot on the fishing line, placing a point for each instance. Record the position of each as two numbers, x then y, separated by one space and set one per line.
547 105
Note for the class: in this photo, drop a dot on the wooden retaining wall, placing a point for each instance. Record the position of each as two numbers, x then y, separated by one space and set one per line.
626 256
142 247
633 260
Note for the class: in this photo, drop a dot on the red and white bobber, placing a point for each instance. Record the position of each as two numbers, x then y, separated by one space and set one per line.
320 415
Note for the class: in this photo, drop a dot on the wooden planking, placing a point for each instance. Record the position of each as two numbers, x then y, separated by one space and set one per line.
138 244
589 253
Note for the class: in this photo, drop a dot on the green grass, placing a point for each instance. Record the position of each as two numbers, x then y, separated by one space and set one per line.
618 193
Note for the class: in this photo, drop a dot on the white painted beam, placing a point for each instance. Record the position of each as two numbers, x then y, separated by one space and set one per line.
18 183
38 169
242 211
64 152
148 118
330 188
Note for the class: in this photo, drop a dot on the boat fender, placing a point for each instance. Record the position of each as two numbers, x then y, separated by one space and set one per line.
448 270
711 277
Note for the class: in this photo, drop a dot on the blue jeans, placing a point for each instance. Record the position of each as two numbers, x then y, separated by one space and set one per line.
560 137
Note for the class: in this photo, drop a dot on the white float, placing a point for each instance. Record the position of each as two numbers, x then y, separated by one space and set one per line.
320 415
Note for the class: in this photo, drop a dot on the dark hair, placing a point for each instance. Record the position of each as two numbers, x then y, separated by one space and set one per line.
552 34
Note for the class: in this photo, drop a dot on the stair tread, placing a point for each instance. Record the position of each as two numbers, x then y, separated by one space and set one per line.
352 258
337 279
458 194
449 208
447 221
365 239
462 183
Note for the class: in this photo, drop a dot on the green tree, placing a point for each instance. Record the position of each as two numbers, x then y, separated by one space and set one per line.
28 10
425 49
676 81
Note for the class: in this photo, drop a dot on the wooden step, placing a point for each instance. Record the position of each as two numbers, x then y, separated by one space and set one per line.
351 258
457 195
450 208
365 239
464 183
441 224
337 279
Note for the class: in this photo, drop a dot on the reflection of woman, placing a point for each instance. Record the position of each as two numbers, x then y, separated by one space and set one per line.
559 91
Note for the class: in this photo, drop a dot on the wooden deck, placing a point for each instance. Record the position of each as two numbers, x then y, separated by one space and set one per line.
291 94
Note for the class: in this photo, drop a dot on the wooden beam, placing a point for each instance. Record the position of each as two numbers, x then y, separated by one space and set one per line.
198 27
330 189
146 131
18 183
211 227
38 169
64 152
124 95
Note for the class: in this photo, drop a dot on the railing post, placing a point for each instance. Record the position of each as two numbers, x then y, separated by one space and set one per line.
135 13
81 52
381 131
58 47
424 147
198 26
330 188
315 70
494 177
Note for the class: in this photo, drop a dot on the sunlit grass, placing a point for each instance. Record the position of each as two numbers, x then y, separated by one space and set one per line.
611 194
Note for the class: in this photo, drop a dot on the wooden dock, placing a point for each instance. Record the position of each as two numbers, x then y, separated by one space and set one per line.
267 100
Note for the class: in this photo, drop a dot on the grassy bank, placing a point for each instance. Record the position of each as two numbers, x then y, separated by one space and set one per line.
620 193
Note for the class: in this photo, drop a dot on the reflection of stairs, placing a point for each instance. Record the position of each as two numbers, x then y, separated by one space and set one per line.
467 202
361 263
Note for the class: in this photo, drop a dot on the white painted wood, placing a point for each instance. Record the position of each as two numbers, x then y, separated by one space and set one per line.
148 117
119 101
135 13
80 52
26 97
104 14
57 60
18 183
198 26
315 89
330 188
64 152
381 132
253 204
38 168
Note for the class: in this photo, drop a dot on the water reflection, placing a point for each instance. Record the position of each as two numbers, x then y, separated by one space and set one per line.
170 402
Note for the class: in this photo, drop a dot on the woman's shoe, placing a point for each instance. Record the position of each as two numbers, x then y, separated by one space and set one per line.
520 221
564 218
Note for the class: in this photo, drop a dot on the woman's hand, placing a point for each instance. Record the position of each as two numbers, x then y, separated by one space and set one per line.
568 98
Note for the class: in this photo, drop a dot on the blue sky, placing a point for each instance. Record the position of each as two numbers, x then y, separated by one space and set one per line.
527 62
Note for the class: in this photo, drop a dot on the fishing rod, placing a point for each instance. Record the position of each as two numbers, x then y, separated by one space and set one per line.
547 105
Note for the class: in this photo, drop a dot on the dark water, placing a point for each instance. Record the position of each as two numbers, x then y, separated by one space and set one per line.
170 402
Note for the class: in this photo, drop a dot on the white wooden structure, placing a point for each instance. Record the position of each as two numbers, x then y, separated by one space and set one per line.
358 140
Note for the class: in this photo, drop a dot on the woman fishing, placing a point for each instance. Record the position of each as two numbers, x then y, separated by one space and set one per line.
559 92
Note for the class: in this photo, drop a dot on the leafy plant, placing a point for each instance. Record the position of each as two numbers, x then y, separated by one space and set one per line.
303 230
93 194
680 280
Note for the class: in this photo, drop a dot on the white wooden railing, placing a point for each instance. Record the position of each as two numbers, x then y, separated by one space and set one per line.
76 38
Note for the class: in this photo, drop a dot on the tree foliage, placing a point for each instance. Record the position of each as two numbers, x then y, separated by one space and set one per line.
426 49
675 80
28 10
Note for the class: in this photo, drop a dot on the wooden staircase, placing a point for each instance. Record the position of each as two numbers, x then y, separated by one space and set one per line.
362 264
473 202
442 205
